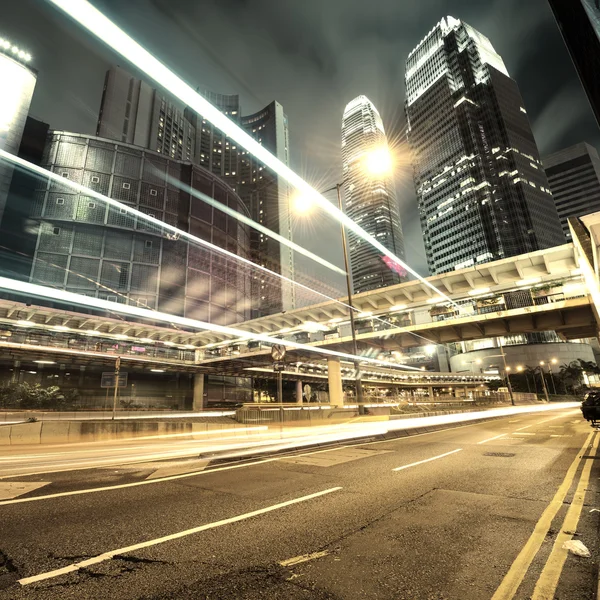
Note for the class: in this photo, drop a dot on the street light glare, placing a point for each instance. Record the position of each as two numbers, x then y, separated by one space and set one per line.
302 204
378 161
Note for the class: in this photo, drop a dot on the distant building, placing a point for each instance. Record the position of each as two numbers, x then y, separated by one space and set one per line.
481 188
579 23
370 199
89 248
18 82
133 112
574 178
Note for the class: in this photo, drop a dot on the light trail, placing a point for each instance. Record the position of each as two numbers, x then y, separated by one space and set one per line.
15 160
106 31
32 289
248 221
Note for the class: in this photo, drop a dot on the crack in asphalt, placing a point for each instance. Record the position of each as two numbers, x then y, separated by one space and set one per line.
8 571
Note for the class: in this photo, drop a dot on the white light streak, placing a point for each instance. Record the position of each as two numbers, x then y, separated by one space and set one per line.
105 30
124 207
32 289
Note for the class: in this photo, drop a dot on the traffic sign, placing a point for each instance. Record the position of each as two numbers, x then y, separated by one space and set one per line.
109 378
278 352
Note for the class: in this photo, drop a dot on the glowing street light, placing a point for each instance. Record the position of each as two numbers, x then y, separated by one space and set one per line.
378 161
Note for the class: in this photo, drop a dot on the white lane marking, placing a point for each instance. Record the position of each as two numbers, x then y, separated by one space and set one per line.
526 427
496 437
526 433
516 421
167 538
426 460
303 558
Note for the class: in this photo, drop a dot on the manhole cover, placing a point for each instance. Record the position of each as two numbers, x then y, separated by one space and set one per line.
501 454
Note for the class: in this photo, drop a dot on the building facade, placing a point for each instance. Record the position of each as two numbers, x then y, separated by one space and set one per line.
370 198
574 178
579 24
18 83
87 247
134 112
481 188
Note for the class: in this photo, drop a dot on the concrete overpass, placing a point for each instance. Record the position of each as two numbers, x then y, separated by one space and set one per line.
539 291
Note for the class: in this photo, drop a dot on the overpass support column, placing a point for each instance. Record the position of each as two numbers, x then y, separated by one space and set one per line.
334 377
430 392
198 397
299 392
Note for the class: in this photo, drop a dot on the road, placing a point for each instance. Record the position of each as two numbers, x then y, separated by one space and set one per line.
470 512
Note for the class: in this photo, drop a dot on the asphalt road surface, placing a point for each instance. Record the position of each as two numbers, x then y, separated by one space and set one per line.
474 512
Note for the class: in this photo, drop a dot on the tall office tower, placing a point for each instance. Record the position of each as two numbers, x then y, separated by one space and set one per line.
134 112
574 178
18 82
481 188
370 198
579 23
267 195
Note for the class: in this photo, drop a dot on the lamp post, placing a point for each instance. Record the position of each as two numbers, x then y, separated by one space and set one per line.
377 162
551 362
544 380
510 391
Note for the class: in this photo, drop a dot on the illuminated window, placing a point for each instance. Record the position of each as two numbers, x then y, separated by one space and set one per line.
153 193
60 201
126 186
95 179
91 205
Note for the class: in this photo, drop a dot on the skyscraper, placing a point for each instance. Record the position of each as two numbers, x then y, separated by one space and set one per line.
574 178
579 23
133 112
18 82
481 188
370 198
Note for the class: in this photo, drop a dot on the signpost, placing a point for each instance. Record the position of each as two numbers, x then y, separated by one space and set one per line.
114 380
278 354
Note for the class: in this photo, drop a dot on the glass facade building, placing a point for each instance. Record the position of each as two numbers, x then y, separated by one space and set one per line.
370 198
18 81
579 24
482 191
87 247
133 112
574 178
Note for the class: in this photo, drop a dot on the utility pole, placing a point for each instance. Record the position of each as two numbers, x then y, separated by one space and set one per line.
510 391
117 368
359 388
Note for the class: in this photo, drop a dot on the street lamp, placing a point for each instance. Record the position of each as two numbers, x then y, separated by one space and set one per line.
542 363
376 162
552 361
477 361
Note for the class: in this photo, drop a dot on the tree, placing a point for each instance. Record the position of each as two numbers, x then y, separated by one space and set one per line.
571 375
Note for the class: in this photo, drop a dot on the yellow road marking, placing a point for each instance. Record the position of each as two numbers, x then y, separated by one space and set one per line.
512 580
548 581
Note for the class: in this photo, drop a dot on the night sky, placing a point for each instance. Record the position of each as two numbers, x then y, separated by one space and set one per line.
313 57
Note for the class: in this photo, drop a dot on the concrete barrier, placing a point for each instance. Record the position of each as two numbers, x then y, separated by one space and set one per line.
61 432
25 433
